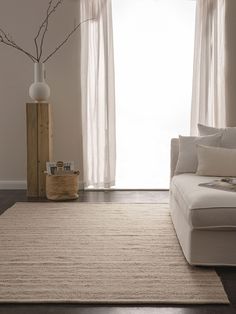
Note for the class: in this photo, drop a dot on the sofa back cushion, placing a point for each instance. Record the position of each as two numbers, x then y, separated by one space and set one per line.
187 159
228 134
216 161
174 155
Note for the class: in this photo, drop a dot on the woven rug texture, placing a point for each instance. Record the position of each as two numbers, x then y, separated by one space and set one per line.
98 253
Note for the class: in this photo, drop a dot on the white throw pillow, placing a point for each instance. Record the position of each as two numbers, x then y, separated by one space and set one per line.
187 160
216 161
228 134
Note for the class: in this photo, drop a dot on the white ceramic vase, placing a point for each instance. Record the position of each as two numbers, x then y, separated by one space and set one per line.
39 91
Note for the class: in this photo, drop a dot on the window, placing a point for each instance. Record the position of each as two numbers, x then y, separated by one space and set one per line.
153 42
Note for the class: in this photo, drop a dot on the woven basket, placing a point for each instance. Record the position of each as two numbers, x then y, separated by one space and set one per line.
62 187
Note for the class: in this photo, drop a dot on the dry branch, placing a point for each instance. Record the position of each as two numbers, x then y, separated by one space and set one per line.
6 39
65 40
45 26
39 30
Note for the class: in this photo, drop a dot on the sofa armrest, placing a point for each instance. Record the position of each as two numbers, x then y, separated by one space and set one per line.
174 154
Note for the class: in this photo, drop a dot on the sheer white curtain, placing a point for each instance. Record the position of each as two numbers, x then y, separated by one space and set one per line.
98 94
208 96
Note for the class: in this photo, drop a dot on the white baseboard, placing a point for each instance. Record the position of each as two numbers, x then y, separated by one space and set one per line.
13 185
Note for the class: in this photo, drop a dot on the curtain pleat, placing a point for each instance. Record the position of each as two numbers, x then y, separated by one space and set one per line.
208 94
98 94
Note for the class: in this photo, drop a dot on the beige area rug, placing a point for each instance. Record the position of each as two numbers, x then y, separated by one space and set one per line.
98 253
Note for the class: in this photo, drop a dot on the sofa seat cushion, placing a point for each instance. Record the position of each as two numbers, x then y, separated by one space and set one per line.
204 208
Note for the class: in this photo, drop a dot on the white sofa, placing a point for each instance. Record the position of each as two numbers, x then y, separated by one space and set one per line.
204 218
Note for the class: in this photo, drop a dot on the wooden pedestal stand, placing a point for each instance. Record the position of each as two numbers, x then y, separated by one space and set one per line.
39 147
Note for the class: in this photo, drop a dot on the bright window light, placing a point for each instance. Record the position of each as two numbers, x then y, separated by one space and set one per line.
153 42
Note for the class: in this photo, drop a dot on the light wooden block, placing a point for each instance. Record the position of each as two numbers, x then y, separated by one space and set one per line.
39 147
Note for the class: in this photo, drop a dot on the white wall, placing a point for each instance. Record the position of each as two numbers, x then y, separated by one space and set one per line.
21 19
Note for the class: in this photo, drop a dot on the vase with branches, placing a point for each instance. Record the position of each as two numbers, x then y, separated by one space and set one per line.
39 90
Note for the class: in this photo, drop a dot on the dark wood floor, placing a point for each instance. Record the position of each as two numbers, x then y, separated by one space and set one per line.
227 274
